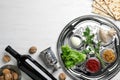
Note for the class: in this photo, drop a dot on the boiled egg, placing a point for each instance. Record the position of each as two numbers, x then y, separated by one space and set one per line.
75 41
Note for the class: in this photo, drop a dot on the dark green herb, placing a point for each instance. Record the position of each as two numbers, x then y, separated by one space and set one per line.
85 51
89 37
97 47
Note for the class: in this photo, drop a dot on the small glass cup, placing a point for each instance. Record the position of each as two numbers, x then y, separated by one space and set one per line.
115 56
90 59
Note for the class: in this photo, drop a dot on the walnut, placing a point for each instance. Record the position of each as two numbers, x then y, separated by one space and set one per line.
15 76
32 50
8 76
6 58
62 76
6 71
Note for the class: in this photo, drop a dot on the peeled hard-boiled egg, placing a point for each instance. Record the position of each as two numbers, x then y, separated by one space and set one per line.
76 41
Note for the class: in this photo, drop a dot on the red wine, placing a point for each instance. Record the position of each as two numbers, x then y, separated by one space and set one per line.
31 67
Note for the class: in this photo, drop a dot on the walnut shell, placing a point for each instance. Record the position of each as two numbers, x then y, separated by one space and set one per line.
6 71
15 76
6 58
32 50
8 76
62 76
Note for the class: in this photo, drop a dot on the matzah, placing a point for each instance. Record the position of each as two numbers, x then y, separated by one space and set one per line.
114 6
99 10
103 5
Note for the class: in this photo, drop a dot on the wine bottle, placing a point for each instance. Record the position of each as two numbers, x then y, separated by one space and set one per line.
30 66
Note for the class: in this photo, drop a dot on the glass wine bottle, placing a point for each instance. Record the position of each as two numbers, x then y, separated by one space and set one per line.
31 67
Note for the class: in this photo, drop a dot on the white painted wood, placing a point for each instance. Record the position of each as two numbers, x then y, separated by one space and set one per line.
24 23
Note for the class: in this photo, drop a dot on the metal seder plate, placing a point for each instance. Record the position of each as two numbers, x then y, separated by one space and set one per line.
76 27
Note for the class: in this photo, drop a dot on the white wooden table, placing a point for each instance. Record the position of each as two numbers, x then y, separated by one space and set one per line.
26 23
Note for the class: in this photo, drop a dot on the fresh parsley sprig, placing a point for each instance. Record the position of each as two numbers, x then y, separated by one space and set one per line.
89 41
89 37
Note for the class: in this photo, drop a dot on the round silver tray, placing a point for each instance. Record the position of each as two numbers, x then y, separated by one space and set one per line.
74 28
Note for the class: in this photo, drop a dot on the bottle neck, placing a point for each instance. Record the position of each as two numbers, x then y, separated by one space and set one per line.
13 52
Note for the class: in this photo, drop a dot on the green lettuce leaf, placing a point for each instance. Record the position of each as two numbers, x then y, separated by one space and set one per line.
71 57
